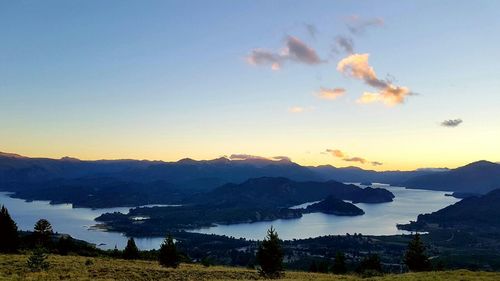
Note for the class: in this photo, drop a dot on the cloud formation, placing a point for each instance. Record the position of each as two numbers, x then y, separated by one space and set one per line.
355 159
451 123
239 157
265 57
294 50
340 154
298 51
246 157
357 25
343 44
336 153
282 158
357 66
330 94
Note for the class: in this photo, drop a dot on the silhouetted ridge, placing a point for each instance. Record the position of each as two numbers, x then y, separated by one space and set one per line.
479 177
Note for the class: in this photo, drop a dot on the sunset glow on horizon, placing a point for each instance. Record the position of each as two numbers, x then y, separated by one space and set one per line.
392 86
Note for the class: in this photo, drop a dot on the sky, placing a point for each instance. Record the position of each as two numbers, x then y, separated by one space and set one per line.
381 85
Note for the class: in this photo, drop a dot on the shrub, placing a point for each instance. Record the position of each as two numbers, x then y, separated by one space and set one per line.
37 261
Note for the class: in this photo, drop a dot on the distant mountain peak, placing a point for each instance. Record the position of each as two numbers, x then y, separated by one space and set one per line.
11 155
480 163
476 177
220 160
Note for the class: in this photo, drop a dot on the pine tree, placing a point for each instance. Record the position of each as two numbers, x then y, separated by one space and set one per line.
9 238
131 251
270 255
168 255
43 232
415 257
339 266
38 260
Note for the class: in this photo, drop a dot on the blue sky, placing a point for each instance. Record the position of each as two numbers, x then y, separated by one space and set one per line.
171 79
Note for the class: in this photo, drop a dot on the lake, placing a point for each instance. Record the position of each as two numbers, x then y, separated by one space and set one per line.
379 219
74 221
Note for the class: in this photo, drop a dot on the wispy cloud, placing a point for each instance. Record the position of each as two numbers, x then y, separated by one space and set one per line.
358 25
295 50
300 109
256 157
356 159
357 66
298 51
282 158
330 94
451 123
246 157
337 153
343 44
265 57
311 29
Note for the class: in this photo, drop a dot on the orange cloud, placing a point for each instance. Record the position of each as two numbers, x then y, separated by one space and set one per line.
391 95
340 154
336 153
330 94
357 66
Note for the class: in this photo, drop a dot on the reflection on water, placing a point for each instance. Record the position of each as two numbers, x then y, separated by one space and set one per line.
379 219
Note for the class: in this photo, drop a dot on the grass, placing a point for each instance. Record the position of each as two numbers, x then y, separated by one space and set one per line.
13 267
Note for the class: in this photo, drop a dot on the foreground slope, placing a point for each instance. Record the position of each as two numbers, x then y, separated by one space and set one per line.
13 267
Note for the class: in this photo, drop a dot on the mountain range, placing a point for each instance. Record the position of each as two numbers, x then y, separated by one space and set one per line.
107 183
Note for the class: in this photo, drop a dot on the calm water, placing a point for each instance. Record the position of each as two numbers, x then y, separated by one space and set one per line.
74 221
379 219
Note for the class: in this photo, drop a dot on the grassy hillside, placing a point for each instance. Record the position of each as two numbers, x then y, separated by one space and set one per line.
13 267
